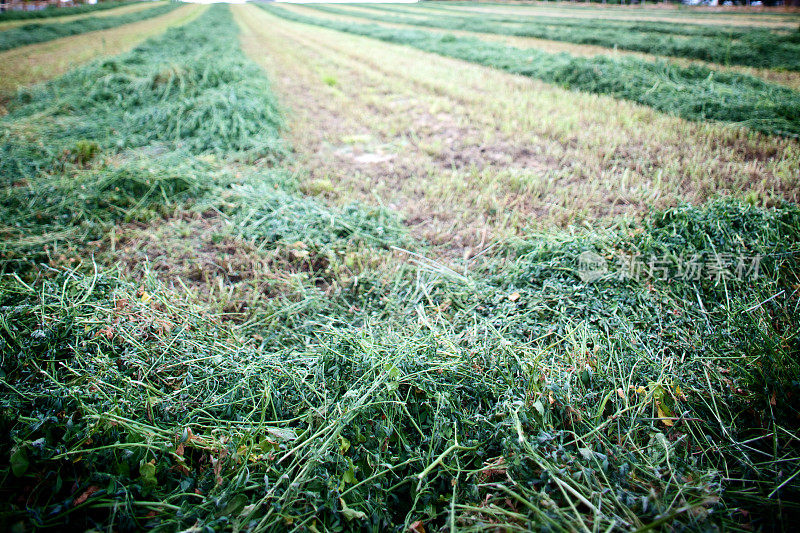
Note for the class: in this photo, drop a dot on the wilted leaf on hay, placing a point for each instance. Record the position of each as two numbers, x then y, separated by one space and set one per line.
266 445
665 414
351 514
586 453
281 433
349 476
19 461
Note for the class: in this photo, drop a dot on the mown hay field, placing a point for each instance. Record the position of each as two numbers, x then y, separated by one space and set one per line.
444 266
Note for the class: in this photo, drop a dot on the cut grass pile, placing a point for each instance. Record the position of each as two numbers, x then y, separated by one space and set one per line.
38 33
51 12
133 137
515 395
753 47
511 394
694 92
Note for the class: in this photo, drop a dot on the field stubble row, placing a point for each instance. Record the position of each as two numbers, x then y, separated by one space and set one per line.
350 12
67 16
694 92
38 62
755 47
38 33
465 149
621 13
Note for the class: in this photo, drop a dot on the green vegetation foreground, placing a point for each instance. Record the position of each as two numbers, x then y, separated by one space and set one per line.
365 391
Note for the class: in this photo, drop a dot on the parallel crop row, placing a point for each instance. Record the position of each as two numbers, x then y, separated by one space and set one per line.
695 93
165 106
52 12
566 9
38 33
665 27
753 47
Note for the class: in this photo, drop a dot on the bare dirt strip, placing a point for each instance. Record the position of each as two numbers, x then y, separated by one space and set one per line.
469 154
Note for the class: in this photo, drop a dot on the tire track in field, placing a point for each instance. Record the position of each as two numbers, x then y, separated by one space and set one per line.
782 77
590 156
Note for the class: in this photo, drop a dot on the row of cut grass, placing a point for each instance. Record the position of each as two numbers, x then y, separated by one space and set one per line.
660 10
688 29
695 92
37 33
753 47
127 139
127 8
629 13
51 12
464 167
787 78
769 19
44 61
